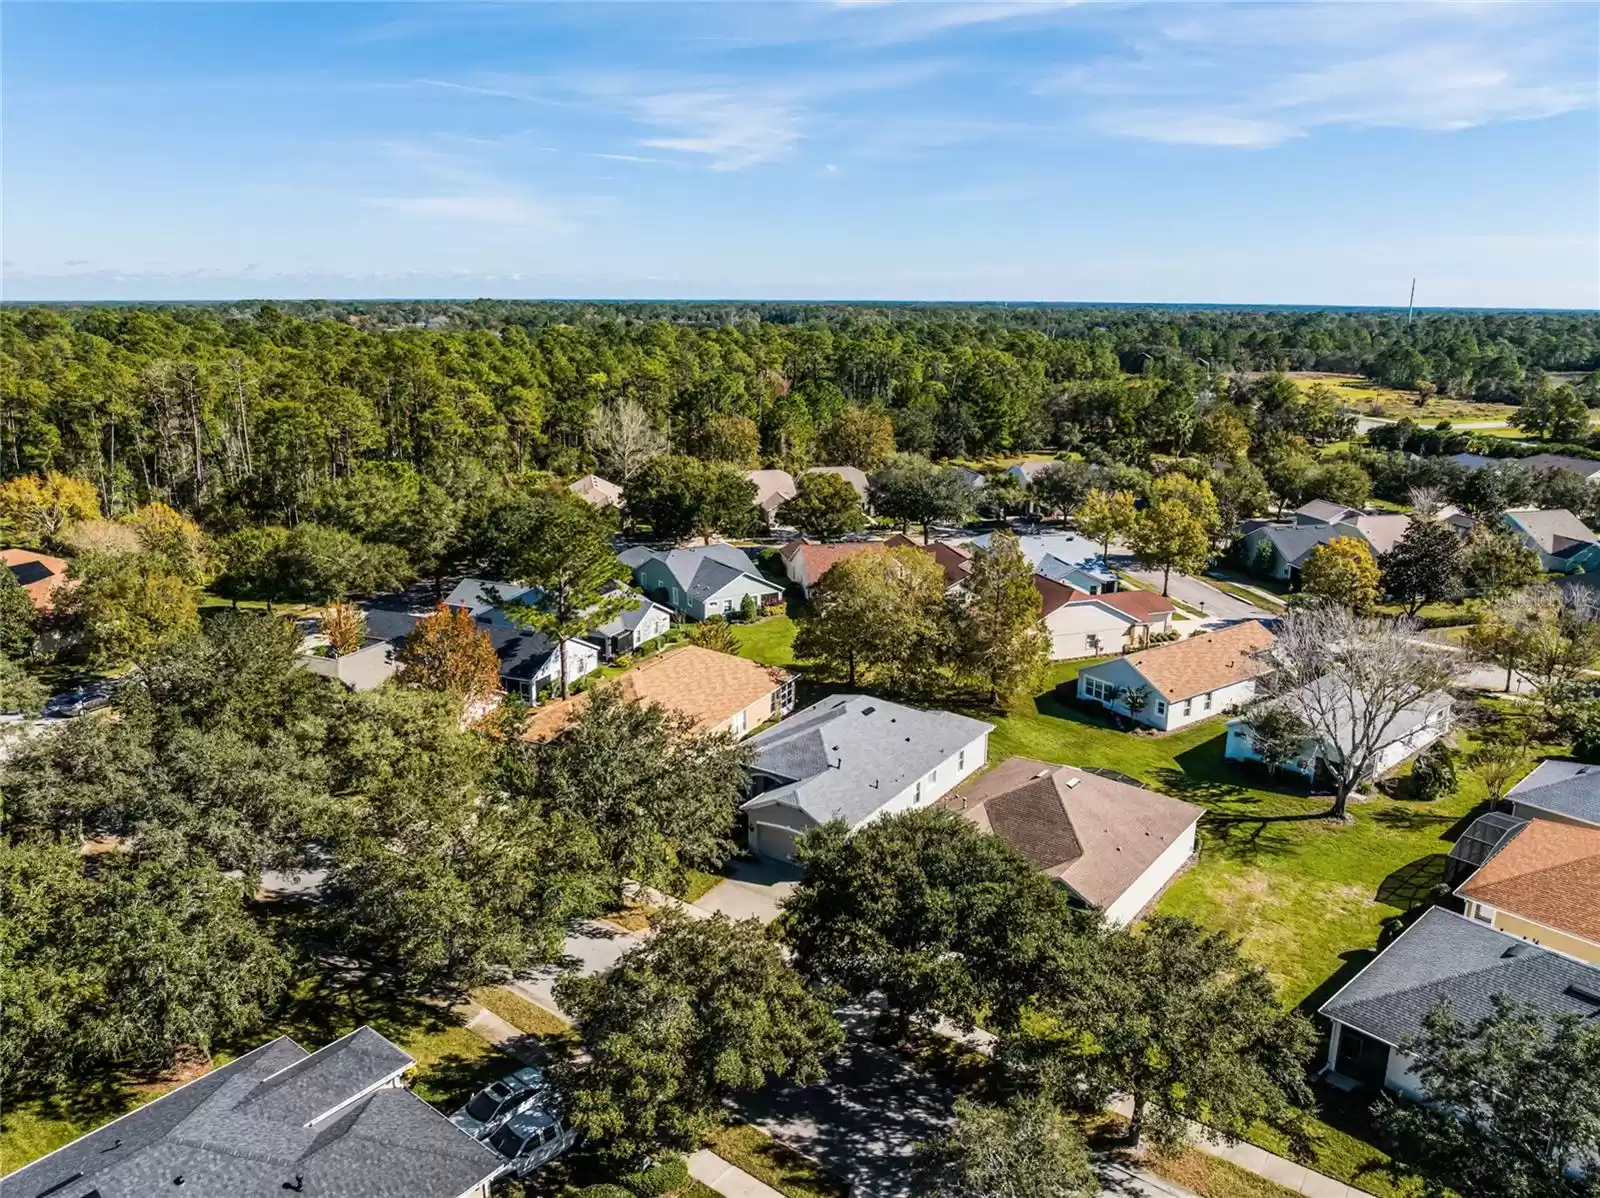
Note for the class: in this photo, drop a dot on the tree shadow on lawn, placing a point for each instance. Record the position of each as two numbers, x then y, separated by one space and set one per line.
1413 884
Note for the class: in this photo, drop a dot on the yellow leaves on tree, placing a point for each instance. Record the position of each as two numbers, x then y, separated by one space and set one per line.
34 508
345 627
447 651
1343 571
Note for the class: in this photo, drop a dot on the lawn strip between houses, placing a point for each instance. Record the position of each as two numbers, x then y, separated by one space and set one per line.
781 1167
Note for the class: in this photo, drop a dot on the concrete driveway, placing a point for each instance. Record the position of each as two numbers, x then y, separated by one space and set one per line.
753 889
591 947
1219 606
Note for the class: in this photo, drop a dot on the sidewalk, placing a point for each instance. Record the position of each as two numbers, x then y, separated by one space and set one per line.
709 1169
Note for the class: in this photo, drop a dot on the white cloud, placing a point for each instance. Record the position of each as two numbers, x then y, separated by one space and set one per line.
484 209
1258 76
732 128
455 179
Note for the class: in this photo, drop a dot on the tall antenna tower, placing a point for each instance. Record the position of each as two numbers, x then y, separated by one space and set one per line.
1411 304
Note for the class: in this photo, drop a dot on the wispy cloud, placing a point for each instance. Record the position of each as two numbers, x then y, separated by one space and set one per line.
1258 76
452 179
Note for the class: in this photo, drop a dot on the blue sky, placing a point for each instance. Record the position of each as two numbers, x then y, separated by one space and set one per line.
1269 153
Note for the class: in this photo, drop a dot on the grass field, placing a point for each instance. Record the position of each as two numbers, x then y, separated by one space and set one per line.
1374 400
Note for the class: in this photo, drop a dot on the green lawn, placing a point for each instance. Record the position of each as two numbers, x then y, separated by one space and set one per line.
785 1170
769 641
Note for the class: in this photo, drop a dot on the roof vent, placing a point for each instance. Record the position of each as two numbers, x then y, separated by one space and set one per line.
1071 782
1517 950
868 710
1585 992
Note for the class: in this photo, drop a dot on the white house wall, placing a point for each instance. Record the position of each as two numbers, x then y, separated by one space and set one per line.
1072 625
657 623
1125 909
728 600
1159 712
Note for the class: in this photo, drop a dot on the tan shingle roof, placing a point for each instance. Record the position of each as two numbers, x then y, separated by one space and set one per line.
1206 662
708 686
39 574
1097 835
1548 872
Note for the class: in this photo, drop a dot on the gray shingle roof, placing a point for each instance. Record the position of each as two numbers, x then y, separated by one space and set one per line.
1576 797
1447 957
629 619
1296 542
847 756
1326 512
241 1131
700 571
473 594
1586 467
1551 529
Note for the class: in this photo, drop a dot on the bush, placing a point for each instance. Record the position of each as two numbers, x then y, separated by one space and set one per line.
749 610
604 1190
658 1179
1584 718
1434 774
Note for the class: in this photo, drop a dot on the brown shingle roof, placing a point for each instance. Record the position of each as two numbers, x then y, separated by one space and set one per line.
820 559
1097 835
1053 594
708 686
1206 662
1141 605
1548 872
39 574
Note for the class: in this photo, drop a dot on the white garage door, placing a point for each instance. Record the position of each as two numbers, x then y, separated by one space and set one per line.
769 840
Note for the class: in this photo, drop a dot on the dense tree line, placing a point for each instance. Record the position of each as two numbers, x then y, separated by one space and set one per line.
241 413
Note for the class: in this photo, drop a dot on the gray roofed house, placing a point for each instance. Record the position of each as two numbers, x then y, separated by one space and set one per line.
855 757
1321 511
1291 544
1444 957
477 595
1555 534
278 1119
702 580
1559 790
1586 468
633 628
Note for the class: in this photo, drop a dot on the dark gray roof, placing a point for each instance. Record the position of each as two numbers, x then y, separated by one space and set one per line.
701 570
847 756
1576 797
522 651
244 1130
1447 957
629 619
1295 542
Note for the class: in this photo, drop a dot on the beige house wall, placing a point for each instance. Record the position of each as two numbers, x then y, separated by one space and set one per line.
1545 937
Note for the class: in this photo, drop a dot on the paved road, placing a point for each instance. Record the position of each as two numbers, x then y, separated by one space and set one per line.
1217 605
863 1122
593 947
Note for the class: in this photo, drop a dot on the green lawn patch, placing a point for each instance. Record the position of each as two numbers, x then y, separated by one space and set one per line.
784 1169
1212 1177
769 641
698 885
1306 896
528 1017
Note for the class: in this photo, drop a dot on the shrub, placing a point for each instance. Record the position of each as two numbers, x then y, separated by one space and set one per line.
659 1179
749 610
1584 718
1434 774
604 1190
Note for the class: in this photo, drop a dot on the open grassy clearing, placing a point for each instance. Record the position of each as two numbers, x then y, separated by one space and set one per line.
1375 400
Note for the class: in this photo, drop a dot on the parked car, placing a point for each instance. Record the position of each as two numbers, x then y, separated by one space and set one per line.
491 1106
534 1135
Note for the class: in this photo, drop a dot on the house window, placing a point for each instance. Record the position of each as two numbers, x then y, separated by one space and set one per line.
918 793
1188 707
1099 689
786 695
739 724
1161 707
1208 700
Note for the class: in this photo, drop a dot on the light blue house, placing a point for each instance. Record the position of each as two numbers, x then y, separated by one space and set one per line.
702 581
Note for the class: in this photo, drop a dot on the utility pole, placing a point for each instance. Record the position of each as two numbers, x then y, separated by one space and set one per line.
1412 303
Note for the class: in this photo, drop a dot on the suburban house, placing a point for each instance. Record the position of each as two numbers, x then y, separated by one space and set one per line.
720 692
1563 791
1183 682
700 581
1562 541
853 475
773 487
955 560
1083 625
276 1120
1585 468
368 668
596 490
1543 885
39 575
854 758
1026 472
631 629
1322 512
530 659
483 598
1063 557
805 561
1114 846
1410 731
1443 957
1280 550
